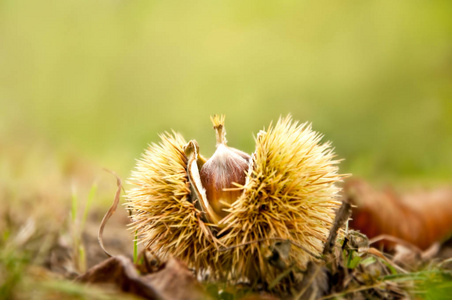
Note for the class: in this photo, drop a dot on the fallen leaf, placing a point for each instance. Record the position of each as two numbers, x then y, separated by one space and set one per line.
120 272
175 281
419 218
172 282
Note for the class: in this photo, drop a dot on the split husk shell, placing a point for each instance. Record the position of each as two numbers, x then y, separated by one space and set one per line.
290 194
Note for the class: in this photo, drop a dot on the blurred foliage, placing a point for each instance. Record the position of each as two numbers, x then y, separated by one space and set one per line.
100 79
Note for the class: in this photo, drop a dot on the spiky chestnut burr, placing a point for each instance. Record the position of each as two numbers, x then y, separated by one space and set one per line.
165 215
288 193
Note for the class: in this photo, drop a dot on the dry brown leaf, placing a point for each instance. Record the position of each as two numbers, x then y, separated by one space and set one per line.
419 218
120 272
173 282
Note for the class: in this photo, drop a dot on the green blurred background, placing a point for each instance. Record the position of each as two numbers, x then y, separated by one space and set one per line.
98 80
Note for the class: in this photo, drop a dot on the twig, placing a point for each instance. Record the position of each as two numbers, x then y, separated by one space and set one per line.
342 216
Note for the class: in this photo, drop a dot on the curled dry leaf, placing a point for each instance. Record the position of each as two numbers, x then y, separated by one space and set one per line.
176 281
418 218
173 282
110 212
120 272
